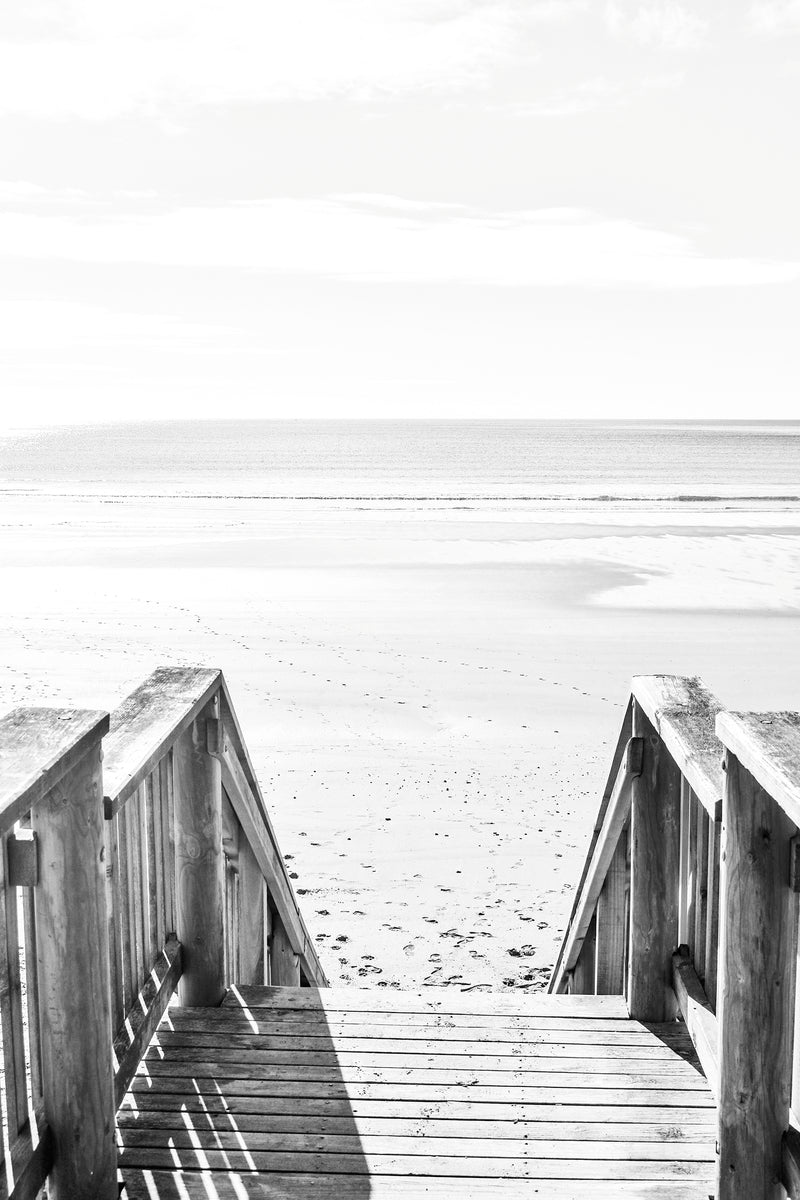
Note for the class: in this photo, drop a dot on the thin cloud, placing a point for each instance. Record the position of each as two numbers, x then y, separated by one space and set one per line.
776 16
662 24
385 239
99 61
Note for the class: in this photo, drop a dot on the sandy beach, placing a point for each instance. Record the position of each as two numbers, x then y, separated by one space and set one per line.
431 701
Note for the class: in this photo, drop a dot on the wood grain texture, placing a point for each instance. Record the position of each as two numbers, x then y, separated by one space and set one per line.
74 994
755 988
251 928
446 1001
768 746
38 746
697 1014
611 931
683 711
143 1019
148 722
655 866
199 865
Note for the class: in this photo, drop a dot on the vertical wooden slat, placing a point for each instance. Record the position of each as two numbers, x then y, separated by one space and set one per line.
691 911
251 924
11 1004
701 894
126 949
712 914
583 974
32 995
684 884
756 992
610 925
112 915
154 944
285 964
169 843
655 862
156 837
267 937
135 890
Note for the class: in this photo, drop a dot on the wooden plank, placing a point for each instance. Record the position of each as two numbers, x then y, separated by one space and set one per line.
32 996
444 1166
558 978
790 1159
112 923
655 859
684 871
38 746
143 1019
126 944
672 1120
691 908
683 712
228 1185
74 998
668 1136
199 862
16 1113
167 768
475 1091
314 1027
148 722
372 1021
251 930
697 1014
529 1050
155 939
616 810
768 746
136 887
430 1000
514 1147
756 987
560 1073
611 924
238 759
583 973
702 822
712 916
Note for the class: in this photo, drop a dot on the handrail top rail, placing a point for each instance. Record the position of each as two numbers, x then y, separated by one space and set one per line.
38 746
683 712
147 723
767 744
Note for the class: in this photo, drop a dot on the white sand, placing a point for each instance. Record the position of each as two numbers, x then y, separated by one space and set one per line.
431 701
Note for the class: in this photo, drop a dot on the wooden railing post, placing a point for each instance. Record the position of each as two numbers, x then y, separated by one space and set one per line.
199 862
74 991
655 867
610 924
755 988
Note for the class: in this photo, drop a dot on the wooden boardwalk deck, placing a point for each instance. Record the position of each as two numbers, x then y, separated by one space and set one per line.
289 1092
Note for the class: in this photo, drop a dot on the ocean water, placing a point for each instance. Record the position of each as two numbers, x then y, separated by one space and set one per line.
733 464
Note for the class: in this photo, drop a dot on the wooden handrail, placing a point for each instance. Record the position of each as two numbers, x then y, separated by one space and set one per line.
683 712
768 746
617 810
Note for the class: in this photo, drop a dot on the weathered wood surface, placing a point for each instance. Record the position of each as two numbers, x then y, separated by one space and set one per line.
74 996
37 748
655 868
611 924
143 1019
768 746
698 1015
148 721
296 1086
755 987
199 864
683 711
558 979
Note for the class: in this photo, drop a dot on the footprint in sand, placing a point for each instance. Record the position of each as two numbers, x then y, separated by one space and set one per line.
409 949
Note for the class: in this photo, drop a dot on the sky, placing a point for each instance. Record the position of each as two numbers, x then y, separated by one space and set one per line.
389 208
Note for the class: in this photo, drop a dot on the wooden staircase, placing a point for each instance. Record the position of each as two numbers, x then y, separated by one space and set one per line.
349 1093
